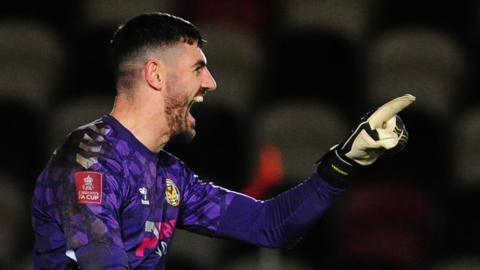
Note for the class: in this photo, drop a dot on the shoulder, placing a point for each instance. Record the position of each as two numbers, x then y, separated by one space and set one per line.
89 147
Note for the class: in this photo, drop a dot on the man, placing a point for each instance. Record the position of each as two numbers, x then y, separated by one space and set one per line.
111 198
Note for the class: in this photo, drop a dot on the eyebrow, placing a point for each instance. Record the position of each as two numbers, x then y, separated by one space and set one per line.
199 64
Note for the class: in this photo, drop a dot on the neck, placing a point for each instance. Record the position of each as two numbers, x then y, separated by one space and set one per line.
146 122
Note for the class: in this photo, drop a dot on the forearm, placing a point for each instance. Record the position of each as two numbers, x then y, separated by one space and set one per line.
280 221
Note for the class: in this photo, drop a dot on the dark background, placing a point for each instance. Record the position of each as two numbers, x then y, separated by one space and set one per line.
296 74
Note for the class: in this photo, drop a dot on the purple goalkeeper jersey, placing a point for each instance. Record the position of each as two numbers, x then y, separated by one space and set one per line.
104 186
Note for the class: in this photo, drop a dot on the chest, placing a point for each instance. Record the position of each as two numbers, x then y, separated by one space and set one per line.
150 212
153 193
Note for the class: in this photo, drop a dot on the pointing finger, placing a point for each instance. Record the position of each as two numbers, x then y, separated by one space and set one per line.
389 110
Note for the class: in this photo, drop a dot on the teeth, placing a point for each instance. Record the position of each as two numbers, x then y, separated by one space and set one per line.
198 99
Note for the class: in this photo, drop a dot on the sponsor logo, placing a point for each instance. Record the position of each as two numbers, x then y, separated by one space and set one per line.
161 231
144 192
88 185
172 194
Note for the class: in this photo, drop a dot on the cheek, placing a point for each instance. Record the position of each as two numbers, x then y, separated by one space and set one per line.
188 85
177 104
175 95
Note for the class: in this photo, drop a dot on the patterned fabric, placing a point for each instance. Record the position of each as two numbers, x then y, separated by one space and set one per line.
144 197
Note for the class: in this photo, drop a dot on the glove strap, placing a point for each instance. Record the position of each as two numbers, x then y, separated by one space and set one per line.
337 170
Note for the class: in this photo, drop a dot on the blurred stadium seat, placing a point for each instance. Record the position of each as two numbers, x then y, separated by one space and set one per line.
265 260
13 221
302 130
386 222
248 15
466 147
348 18
457 18
235 59
424 62
33 58
465 262
108 13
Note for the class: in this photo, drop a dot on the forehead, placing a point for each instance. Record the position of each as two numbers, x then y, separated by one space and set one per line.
183 53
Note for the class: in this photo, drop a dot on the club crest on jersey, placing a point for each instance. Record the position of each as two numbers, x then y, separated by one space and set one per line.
88 185
172 194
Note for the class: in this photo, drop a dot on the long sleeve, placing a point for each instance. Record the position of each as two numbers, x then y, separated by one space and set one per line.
280 221
277 222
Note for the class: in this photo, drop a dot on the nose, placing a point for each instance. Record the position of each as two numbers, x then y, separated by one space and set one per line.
208 81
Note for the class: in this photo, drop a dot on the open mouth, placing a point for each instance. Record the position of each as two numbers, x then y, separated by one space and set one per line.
196 99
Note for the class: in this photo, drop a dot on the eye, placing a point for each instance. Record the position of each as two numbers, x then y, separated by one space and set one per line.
197 70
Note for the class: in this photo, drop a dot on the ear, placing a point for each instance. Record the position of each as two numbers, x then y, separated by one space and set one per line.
154 74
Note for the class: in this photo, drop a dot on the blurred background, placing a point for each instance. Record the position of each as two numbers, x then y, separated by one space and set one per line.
294 76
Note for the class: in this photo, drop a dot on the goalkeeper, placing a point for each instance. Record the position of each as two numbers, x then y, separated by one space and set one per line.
111 197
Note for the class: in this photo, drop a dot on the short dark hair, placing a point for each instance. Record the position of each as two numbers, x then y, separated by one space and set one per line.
148 31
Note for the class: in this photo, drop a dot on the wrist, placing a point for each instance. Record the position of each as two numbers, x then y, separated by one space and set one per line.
336 169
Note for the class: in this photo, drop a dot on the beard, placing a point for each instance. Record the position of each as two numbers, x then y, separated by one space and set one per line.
176 111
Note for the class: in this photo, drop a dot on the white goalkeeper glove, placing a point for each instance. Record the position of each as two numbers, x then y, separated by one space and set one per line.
382 131
379 132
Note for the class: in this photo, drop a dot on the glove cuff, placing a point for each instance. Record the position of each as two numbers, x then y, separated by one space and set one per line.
337 170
